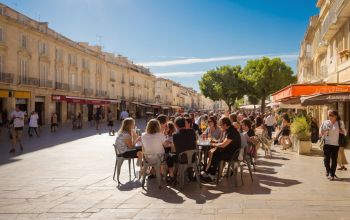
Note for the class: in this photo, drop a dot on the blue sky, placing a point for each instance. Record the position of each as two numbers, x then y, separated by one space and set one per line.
180 39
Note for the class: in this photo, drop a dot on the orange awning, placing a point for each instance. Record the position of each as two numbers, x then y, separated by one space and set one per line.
296 90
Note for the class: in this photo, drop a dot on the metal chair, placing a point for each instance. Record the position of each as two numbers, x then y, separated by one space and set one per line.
152 160
119 162
191 162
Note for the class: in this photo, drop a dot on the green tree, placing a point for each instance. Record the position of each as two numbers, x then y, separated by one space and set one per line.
266 76
223 83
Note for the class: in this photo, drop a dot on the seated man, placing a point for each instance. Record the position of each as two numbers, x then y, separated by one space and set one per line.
184 139
225 149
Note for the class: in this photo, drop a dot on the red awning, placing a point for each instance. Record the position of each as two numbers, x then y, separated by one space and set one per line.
293 92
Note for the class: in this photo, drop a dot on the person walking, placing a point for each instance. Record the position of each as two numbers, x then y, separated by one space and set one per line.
33 124
110 123
17 117
54 122
97 119
330 130
270 123
342 145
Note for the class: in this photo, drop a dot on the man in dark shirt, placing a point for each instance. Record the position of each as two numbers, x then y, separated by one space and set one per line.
184 139
226 149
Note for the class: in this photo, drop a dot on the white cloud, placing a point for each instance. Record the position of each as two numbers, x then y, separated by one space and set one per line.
187 61
180 74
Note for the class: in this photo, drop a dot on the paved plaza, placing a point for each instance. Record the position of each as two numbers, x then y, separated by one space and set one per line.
68 175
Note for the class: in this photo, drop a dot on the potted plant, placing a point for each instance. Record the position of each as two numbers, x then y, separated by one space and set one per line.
300 129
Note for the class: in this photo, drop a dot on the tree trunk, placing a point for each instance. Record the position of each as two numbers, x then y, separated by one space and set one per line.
262 104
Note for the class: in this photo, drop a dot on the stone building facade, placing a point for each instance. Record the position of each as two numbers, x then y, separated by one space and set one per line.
42 70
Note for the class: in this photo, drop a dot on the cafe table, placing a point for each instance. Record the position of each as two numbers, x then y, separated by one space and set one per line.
203 147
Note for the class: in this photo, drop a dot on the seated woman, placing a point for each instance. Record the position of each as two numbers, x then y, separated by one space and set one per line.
126 139
153 141
225 149
170 149
213 132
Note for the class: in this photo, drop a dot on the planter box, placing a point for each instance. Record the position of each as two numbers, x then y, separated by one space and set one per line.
304 147
301 147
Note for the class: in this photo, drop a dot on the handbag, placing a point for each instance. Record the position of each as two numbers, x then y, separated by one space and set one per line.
342 140
342 137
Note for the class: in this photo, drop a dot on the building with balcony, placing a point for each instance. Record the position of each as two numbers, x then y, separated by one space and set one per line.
42 70
324 64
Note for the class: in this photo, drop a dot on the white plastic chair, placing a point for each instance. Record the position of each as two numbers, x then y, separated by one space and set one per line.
119 162
152 160
191 162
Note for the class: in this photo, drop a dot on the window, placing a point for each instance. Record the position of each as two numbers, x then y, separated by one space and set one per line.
23 69
72 81
24 41
123 78
99 85
58 55
72 59
1 11
59 75
122 91
85 63
44 73
112 76
43 48
43 28
86 80
1 64
1 34
98 69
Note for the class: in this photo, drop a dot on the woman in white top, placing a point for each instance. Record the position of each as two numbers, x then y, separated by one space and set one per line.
33 124
126 139
330 130
153 141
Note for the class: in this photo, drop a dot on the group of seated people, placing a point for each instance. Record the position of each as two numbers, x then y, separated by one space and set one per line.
169 138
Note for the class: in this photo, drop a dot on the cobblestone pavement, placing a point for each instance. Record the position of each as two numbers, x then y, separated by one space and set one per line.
68 175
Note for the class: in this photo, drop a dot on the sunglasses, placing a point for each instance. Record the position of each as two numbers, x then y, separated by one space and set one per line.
210 121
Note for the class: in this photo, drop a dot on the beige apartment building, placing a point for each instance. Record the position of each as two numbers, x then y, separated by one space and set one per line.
324 63
42 70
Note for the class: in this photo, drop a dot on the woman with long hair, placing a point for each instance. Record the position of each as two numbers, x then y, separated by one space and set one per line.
153 141
126 139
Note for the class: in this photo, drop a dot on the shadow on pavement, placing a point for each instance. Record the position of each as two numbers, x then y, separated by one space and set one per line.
268 163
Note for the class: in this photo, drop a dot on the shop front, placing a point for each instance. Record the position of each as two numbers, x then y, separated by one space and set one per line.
318 99
87 107
22 99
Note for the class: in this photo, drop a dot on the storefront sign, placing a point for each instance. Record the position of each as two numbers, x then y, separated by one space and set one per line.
22 94
58 98
4 93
